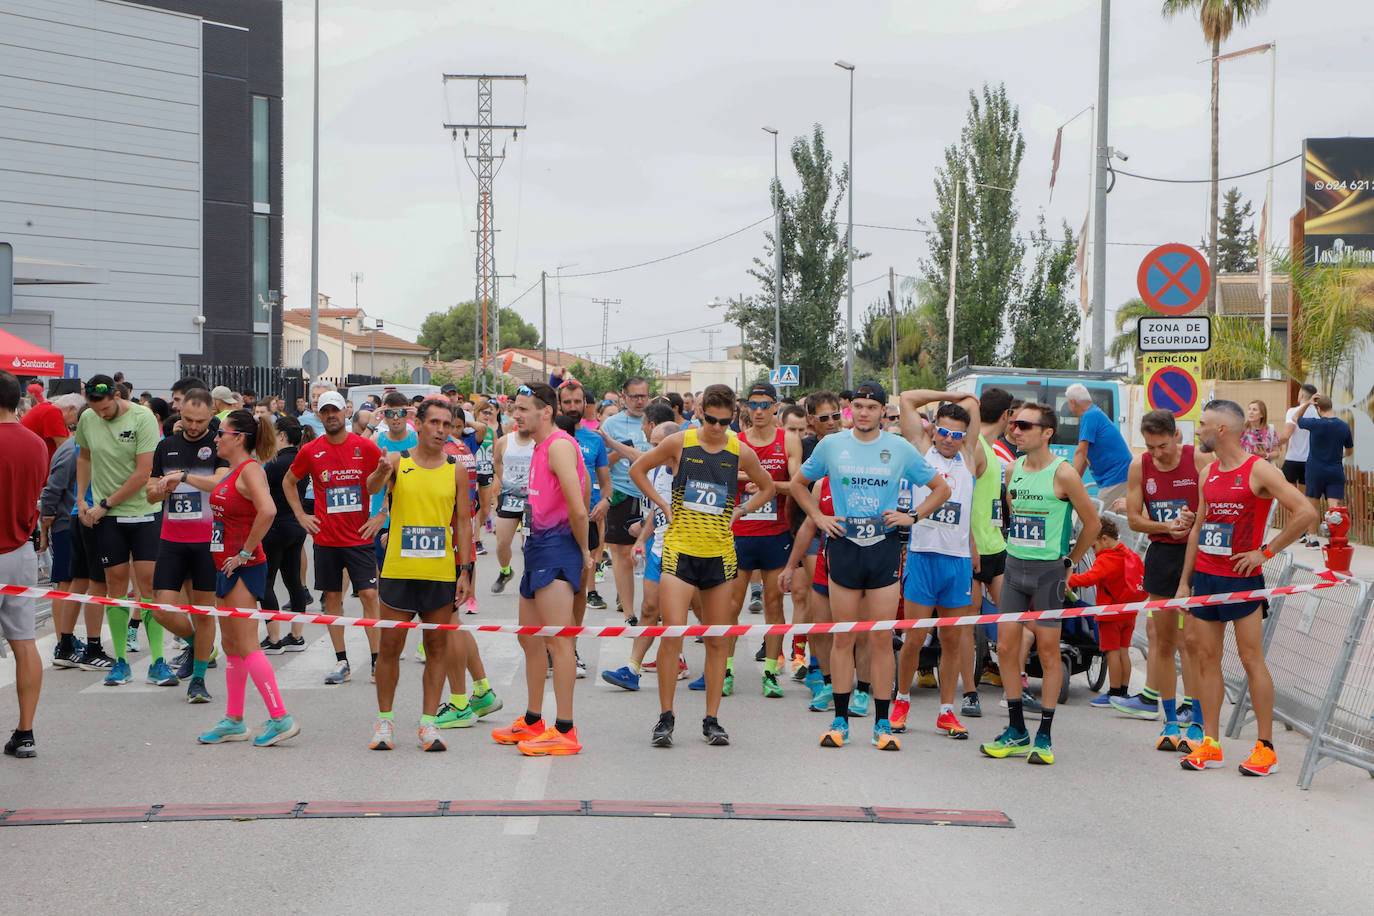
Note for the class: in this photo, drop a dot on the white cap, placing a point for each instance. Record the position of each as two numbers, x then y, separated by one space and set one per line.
331 399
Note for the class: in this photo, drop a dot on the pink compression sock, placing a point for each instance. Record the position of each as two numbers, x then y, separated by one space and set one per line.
235 682
265 679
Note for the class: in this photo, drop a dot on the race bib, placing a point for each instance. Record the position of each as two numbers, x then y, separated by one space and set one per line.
1215 538
947 516
865 531
904 497
1166 511
1026 531
703 496
997 512
422 542
768 512
185 507
343 499
512 502
217 538
527 517
133 519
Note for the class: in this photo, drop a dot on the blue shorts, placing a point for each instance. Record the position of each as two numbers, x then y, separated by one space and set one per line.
1208 584
1325 480
653 564
938 580
762 551
814 548
820 589
254 578
548 558
61 545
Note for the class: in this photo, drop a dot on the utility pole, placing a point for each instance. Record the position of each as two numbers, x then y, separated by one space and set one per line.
667 355
355 278
849 238
544 316
605 322
711 343
777 256
1099 353
892 310
740 389
315 205
488 164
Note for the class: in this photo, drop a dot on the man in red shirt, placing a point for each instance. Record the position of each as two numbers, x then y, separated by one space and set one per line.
53 421
338 464
25 463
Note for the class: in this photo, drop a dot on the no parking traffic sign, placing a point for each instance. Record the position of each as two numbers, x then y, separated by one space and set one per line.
1174 279
1171 383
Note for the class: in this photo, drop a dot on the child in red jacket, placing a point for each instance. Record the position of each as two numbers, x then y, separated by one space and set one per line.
1116 572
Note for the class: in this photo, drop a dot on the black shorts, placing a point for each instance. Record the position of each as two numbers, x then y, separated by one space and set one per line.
417 596
857 568
698 572
85 559
330 563
60 542
990 566
117 540
619 518
177 562
502 512
1295 472
1163 568
485 480
593 537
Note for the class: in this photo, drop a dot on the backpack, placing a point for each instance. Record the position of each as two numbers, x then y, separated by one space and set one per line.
1134 574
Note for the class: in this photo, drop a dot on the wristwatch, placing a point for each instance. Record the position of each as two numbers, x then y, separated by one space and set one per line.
467 568
104 504
1266 552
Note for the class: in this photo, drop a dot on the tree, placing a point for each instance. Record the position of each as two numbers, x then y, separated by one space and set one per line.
1128 316
986 159
814 268
1217 18
453 333
1045 320
1237 251
920 362
597 380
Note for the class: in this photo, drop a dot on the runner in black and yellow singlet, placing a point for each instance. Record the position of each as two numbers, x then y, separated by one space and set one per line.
699 548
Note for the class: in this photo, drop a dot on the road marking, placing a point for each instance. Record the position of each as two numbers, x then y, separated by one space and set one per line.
531 784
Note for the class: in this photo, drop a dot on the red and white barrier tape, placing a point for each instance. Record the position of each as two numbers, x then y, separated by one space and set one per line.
1330 579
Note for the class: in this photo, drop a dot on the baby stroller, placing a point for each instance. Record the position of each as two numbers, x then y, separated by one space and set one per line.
1079 653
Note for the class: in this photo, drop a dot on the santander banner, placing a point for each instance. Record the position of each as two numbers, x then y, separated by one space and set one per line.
36 365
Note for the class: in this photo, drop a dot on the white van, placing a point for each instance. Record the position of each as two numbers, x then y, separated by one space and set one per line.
359 393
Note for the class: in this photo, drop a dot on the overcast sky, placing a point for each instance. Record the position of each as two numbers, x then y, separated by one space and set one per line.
645 138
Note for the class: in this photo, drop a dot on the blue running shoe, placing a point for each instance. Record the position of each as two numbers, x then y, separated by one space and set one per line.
823 699
814 680
276 730
119 675
1102 701
1169 738
1185 716
226 730
1135 707
837 735
1192 738
698 684
622 677
883 739
858 704
185 665
160 674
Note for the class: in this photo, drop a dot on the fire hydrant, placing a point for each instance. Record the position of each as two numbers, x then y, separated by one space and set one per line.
1338 552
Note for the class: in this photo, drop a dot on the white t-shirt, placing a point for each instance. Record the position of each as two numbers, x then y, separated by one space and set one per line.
1300 442
947 530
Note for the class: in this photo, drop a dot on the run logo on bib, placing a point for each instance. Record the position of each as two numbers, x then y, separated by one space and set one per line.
704 496
185 507
343 499
1026 531
1215 538
865 531
423 542
1165 511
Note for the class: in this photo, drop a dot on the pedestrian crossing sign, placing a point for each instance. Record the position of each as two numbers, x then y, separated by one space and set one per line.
785 376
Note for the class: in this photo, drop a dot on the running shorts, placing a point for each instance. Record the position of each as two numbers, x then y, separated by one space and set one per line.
117 538
1163 568
417 596
990 566
700 572
177 562
1295 472
1208 584
1325 481
763 552
850 566
18 615
1033 585
938 580
85 558
1115 632
619 518
60 542
254 578
330 563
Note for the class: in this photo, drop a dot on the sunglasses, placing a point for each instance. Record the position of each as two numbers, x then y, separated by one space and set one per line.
571 382
394 413
715 421
1026 425
606 404
892 417
827 417
760 405
956 435
98 392
227 432
637 396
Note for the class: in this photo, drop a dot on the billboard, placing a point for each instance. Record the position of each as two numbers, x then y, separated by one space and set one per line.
1338 193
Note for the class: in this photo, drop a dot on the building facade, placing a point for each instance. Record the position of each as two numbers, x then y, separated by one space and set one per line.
351 341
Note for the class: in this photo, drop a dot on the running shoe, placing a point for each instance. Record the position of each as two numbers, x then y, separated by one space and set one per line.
813 680
66 658
429 738
1101 701
837 734
1136 707
991 675
1011 743
663 730
622 677
926 679
632 621
823 699
420 652
21 747
470 606
1041 753
619 608
275 731
196 692
883 738
728 687
1170 738
682 672
503 577
800 670
518 731
1205 756
226 729
131 644
699 683
290 643
900 710
756 599
451 716
1192 738
1185 716
119 675
947 722
594 599
481 548
972 708
95 660
486 704
600 576
712 733
552 743
184 665
383 738
770 685
581 667
161 675
762 653
269 647
858 704
1261 762
340 675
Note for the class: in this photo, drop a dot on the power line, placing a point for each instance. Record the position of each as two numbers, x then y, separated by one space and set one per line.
1205 180
700 327
669 257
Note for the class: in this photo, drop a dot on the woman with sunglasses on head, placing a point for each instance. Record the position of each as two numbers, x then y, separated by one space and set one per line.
396 435
243 510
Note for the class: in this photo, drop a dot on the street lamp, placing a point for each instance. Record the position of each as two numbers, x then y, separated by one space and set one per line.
722 303
953 265
777 257
849 238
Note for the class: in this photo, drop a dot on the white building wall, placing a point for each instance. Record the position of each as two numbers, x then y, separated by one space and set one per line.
100 165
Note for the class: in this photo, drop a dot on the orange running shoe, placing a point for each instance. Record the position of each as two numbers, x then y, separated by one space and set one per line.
1262 762
951 726
1205 756
518 731
552 743
897 718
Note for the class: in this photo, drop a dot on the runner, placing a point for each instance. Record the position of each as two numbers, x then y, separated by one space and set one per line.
1298 442
698 548
572 401
395 435
794 421
626 427
284 543
61 532
511 462
1162 501
866 467
1045 491
556 557
1226 553
431 530
490 419
338 464
942 559
988 523
243 511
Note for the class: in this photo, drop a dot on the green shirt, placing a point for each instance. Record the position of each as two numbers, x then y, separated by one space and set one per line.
1039 526
114 447
986 517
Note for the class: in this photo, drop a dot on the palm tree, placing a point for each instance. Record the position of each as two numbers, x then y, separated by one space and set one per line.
1127 317
1218 18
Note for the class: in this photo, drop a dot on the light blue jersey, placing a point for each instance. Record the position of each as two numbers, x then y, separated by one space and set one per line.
622 427
866 477
388 444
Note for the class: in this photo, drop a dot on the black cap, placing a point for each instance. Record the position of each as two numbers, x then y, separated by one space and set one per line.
449 388
874 391
764 388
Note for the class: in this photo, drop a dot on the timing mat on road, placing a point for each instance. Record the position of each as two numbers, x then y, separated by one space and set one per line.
846 814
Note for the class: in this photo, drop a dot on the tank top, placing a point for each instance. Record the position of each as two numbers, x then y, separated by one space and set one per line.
459 449
547 510
515 474
946 531
234 516
771 517
1168 493
826 502
420 542
704 491
662 479
986 515
1039 528
1235 518
485 466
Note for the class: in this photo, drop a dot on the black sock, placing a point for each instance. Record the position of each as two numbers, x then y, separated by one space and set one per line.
1018 717
826 678
970 693
93 645
563 725
1117 691
374 659
880 709
1268 744
531 717
813 667
1046 722
341 656
134 623
842 705
66 642
864 687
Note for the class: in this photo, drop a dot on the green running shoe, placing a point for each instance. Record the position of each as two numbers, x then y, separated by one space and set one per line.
1041 753
451 716
770 685
486 704
729 687
1011 743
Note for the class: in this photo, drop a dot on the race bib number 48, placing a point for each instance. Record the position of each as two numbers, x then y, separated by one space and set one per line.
1215 538
343 499
704 496
947 516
